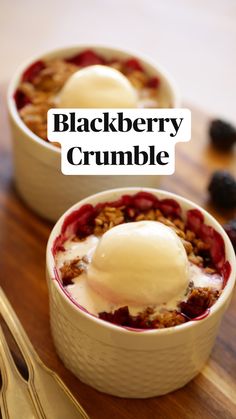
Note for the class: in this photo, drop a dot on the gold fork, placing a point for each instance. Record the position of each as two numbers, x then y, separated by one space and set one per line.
44 395
16 401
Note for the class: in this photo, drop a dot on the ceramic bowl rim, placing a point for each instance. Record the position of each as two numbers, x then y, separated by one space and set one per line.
119 329
60 51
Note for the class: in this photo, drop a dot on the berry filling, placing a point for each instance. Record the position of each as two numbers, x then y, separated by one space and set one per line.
86 58
132 64
21 99
33 71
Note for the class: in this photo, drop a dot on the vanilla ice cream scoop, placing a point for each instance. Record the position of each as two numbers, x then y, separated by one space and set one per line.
97 86
139 263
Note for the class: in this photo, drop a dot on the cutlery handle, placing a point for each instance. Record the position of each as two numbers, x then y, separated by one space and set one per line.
16 401
17 330
6 359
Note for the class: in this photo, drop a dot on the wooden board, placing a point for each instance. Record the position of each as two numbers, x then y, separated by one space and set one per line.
23 238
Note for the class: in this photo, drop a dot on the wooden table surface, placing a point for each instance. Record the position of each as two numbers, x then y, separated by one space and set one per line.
23 238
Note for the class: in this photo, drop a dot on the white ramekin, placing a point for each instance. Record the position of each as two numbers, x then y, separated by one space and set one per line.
37 163
128 363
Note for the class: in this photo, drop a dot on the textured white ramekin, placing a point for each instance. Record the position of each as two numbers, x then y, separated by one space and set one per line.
128 363
37 163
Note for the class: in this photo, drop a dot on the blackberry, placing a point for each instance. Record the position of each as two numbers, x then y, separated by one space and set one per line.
222 189
230 229
222 134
